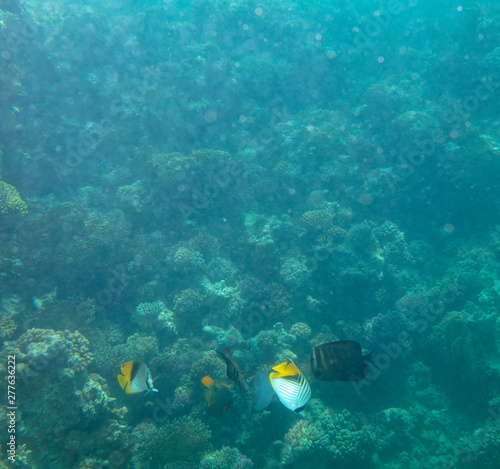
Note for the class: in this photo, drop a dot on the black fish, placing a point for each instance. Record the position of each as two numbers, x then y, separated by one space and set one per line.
234 371
339 361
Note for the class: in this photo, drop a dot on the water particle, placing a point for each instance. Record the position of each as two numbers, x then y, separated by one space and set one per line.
210 116
365 199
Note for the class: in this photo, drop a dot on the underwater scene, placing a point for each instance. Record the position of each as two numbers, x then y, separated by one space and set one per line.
242 234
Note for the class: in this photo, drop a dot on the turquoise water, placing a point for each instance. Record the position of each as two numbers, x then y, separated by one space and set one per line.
181 177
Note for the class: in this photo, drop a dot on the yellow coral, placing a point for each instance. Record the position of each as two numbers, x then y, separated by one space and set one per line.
10 200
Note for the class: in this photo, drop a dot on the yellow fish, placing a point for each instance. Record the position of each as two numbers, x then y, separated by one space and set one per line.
135 377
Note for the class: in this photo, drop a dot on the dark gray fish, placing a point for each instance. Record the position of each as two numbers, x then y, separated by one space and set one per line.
339 361
234 371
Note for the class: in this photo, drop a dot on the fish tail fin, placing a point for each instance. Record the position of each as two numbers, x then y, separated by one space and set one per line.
207 381
369 358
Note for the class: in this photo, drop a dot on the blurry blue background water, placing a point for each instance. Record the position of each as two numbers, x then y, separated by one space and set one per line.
180 177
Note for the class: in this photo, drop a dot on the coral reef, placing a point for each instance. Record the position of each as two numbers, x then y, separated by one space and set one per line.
10 200
225 458
51 370
294 273
187 261
187 310
181 439
300 330
327 438
72 313
153 317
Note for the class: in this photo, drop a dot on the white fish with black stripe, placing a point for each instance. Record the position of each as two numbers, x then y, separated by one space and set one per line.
135 377
291 386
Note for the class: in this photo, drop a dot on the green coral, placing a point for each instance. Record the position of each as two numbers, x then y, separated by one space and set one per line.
10 200
180 440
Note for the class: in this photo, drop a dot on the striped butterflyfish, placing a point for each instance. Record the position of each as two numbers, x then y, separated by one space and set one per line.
217 395
339 361
291 386
234 371
135 377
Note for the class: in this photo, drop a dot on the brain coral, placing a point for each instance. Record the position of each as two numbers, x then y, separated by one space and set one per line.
10 200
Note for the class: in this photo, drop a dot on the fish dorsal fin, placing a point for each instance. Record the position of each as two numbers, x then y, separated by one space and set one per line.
207 381
285 369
